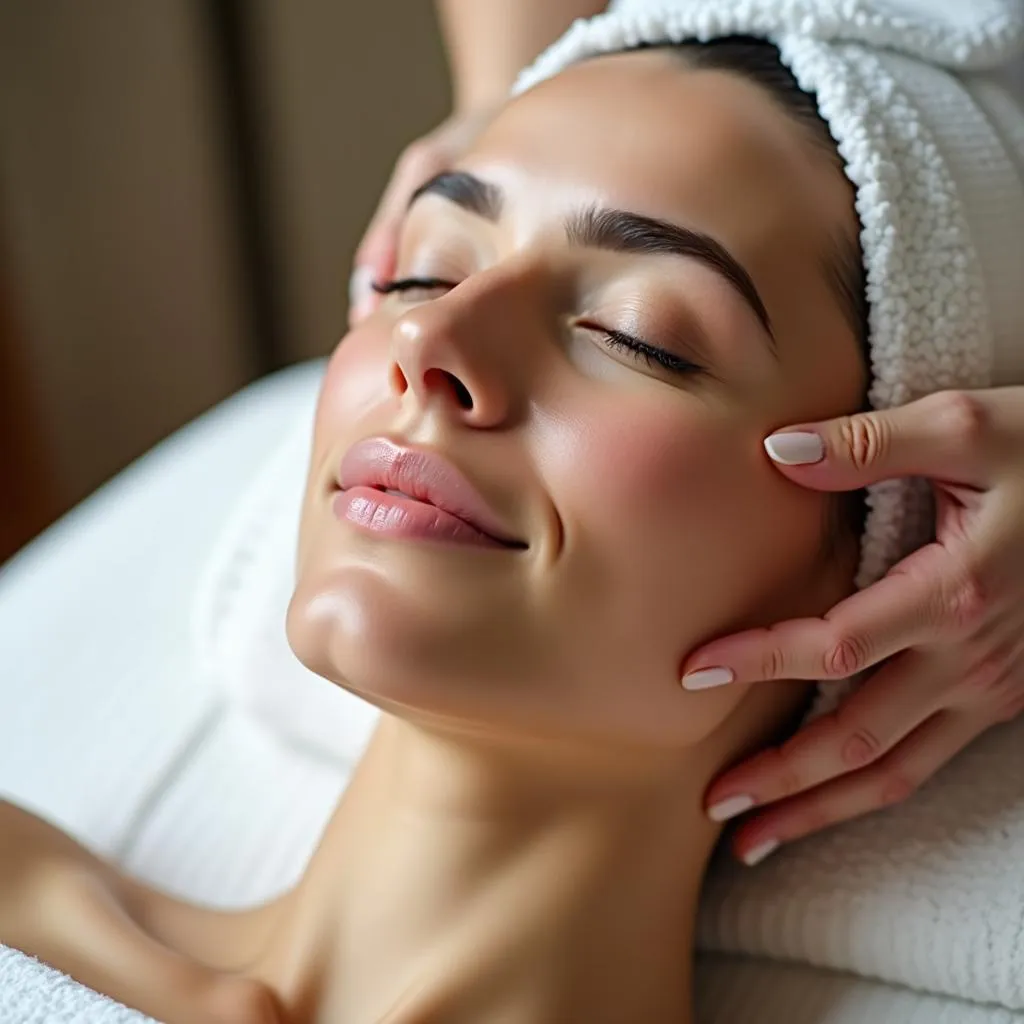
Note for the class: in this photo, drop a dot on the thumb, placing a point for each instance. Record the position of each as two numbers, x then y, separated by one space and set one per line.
936 436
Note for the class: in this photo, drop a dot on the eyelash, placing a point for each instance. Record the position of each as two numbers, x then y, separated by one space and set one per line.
635 347
649 354
405 284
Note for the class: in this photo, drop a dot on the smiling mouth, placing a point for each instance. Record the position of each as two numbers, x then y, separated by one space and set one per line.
427 501
441 503
433 527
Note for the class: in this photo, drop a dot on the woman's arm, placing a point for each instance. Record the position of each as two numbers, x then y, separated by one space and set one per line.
489 41
61 903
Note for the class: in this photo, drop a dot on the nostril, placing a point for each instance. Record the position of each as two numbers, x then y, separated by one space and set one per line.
465 399
398 380
437 378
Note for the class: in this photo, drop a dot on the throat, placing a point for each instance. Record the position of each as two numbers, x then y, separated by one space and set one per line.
415 912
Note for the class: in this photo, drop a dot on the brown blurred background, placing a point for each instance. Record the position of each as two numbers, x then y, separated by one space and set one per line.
182 186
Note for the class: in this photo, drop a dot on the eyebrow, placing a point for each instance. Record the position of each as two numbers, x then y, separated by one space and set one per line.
465 190
613 230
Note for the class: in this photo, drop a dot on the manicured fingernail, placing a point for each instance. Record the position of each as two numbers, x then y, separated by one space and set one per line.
730 807
705 678
795 448
759 852
359 289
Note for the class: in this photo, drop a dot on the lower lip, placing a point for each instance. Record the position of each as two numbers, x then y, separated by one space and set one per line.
395 516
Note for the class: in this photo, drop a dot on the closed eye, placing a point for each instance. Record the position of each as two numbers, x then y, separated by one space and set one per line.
408 284
642 352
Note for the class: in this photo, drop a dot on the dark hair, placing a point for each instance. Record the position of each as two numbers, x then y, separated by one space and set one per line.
759 61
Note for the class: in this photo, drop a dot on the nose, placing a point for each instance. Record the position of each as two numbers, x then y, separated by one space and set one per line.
465 350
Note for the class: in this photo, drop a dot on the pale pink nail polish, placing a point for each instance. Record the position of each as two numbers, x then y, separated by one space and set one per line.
759 852
705 678
730 807
360 288
795 448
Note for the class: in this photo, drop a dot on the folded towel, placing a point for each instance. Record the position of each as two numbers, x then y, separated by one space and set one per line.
32 992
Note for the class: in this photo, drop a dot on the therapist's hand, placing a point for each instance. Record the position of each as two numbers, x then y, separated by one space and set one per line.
947 621
421 160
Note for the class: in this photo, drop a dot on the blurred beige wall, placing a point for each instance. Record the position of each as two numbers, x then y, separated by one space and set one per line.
350 84
118 234
114 226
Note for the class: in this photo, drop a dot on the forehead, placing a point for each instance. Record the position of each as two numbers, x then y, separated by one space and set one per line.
706 149
645 133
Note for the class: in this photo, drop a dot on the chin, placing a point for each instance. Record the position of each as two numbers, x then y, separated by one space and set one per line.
396 644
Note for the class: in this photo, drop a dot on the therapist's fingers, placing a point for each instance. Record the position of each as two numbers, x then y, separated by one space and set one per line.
375 258
931 595
893 702
946 435
890 780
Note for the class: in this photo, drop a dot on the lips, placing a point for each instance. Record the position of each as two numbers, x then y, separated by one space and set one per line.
422 476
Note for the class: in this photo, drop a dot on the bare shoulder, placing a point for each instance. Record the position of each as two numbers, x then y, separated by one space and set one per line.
67 906
31 850
41 870
23 833
41 864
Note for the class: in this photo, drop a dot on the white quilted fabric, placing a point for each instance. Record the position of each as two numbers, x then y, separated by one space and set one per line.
101 694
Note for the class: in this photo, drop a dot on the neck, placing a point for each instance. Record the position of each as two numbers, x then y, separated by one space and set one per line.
459 881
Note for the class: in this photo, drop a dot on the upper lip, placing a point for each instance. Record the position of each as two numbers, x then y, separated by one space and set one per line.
424 476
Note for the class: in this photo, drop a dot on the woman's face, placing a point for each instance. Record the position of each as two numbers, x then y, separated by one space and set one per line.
650 516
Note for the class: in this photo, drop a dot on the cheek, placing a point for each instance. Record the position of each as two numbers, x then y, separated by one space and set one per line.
675 508
662 489
355 382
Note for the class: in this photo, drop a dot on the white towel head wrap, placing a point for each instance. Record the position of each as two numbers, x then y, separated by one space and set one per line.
935 147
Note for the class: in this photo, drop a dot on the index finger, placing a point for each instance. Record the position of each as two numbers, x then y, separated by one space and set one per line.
909 606
376 255
419 162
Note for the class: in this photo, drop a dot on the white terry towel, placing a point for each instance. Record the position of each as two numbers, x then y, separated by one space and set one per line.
32 992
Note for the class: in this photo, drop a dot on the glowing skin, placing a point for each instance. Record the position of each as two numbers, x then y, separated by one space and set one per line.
524 840
653 516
